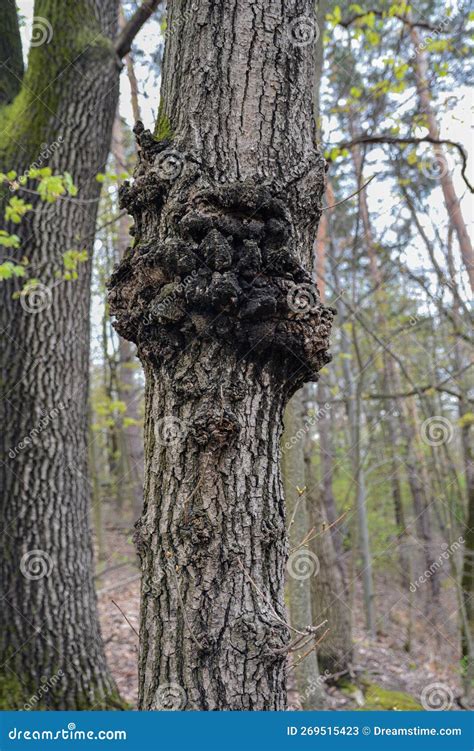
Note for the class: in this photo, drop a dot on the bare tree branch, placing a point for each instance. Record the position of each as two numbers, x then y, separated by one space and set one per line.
439 29
124 41
383 138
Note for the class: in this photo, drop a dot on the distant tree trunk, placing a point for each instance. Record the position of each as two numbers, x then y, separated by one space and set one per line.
329 588
128 389
132 79
467 581
329 594
466 618
451 200
353 406
226 203
326 445
303 564
414 462
48 619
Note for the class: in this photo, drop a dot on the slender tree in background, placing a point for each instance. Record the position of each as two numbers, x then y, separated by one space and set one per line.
451 200
303 564
66 101
414 463
329 587
128 388
225 201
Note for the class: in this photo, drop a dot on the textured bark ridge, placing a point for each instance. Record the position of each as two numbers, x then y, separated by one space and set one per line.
216 262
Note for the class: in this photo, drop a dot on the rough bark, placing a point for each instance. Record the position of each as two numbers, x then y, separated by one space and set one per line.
11 58
225 201
48 617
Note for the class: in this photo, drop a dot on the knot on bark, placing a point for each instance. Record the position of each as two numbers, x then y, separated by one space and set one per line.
217 426
254 637
196 528
215 262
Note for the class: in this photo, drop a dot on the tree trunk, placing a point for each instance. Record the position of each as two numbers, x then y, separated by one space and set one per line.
48 620
303 564
414 461
217 294
329 594
452 203
129 391
329 590
353 407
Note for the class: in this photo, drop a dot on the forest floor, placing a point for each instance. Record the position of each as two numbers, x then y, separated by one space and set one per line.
380 665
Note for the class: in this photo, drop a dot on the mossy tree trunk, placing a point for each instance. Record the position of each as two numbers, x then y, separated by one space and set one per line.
48 616
226 202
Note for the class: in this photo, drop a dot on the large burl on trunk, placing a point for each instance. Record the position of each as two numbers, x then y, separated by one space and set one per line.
217 293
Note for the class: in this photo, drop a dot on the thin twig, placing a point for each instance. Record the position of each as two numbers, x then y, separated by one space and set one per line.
310 650
330 526
296 643
356 192
305 539
131 626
